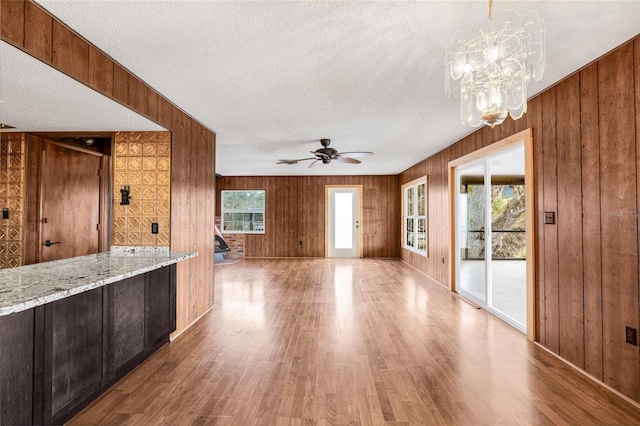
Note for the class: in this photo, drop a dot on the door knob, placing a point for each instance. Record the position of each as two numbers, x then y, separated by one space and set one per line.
48 243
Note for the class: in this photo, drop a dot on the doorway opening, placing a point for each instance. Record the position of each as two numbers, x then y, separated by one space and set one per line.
67 188
492 234
343 237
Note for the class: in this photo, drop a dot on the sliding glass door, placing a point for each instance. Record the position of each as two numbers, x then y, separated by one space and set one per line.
471 211
491 234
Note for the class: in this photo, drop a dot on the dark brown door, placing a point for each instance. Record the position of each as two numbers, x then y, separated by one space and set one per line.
70 203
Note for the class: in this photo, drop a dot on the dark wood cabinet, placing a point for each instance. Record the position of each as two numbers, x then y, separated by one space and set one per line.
55 359
16 368
73 354
126 334
160 321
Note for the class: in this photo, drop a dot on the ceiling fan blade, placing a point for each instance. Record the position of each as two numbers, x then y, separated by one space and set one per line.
315 163
294 161
354 154
348 160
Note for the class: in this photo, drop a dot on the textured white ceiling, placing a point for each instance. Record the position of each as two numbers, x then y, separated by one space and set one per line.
37 97
271 78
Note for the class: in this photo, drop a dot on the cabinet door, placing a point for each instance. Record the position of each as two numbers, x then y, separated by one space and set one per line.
159 303
126 317
73 370
16 368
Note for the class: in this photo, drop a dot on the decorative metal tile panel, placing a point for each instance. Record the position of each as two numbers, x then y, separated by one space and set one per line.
12 170
150 150
143 162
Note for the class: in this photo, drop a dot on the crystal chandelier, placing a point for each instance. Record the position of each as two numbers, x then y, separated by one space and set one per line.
493 63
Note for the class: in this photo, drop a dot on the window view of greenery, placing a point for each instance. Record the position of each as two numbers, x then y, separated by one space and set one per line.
415 219
507 222
243 211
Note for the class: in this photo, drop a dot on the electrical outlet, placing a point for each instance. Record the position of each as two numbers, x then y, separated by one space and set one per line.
631 336
154 228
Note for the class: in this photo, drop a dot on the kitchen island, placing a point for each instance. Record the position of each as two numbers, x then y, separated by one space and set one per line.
71 328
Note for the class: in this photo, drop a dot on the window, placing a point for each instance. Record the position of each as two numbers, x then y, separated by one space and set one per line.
414 215
243 212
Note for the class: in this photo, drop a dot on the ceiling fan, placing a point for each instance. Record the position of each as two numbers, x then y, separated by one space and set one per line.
325 155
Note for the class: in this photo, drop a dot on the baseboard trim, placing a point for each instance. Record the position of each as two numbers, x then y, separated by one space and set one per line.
589 376
175 335
423 273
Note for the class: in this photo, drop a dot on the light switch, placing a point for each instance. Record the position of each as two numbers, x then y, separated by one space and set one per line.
549 218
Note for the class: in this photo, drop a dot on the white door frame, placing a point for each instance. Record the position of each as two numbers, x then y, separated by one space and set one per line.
327 212
525 137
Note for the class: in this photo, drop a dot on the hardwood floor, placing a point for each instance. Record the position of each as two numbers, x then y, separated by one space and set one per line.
317 341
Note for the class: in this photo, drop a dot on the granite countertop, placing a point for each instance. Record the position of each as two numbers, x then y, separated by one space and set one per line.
29 286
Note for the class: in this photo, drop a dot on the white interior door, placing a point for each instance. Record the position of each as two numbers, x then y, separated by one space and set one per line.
343 230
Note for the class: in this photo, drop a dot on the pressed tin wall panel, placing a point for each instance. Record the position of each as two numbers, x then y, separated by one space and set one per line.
142 161
12 162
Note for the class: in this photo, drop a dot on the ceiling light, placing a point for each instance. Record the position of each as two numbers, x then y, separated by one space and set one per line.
492 64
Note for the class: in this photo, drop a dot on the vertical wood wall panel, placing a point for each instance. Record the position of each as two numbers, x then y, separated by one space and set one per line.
636 74
27 26
550 204
165 111
152 104
100 72
137 94
12 21
586 162
507 128
208 192
120 84
591 243
618 218
570 276
70 53
38 32
180 218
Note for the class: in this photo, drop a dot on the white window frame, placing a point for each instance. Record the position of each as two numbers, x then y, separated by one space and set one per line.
251 210
411 220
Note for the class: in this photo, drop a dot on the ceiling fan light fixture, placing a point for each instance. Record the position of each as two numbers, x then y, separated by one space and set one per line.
492 64
326 154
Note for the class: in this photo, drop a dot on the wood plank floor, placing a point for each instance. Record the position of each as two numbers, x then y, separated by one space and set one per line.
317 341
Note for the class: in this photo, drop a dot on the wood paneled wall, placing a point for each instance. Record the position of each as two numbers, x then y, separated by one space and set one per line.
586 131
28 27
295 211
